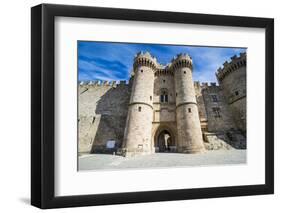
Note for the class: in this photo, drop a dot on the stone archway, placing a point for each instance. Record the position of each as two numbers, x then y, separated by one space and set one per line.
164 140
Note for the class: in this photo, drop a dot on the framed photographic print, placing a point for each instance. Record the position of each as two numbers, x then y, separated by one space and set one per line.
140 106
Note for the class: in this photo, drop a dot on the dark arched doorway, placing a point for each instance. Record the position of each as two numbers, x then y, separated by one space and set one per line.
164 142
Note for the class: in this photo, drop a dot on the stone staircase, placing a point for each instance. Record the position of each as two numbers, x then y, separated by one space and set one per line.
224 140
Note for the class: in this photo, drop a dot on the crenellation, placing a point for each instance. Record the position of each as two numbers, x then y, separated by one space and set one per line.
197 84
113 83
234 57
205 84
101 83
122 82
242 54
233 65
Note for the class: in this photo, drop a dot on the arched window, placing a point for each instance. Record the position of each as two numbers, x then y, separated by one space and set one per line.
164 96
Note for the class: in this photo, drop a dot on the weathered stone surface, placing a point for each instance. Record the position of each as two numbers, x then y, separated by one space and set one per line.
217 122
164 99
102 116
188 123
232 80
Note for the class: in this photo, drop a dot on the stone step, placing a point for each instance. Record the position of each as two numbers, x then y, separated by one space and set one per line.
224 141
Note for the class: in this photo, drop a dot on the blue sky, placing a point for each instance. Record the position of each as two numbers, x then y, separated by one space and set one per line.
113 61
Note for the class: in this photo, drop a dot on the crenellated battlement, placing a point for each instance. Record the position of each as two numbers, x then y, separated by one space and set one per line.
164 71
146 59
181 60
205 84
210 87
233 65
100 83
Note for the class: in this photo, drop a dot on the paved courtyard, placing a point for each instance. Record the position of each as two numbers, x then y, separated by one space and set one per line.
158 160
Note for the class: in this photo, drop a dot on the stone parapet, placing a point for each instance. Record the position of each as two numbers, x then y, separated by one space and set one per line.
102 83
229 67
182 60
146 59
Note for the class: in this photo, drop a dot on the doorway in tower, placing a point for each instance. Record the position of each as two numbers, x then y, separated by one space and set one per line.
164 142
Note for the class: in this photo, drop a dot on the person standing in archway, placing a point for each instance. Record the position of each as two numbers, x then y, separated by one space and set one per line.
167 139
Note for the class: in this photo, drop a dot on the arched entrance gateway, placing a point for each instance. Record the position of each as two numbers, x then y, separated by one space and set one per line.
164 140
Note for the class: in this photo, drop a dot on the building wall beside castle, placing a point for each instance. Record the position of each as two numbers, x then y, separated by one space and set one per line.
217 109
102 112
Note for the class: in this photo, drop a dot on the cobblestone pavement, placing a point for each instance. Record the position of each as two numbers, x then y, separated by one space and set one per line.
158 160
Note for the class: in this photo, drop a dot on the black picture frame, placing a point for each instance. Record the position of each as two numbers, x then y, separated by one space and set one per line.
43 105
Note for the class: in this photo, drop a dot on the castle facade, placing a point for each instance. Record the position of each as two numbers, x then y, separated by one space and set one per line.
161 109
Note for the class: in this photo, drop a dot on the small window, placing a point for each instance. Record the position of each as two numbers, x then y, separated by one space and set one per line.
176 94
141 70
94 118
184 72
189 110
139 109
164 96
214 98
216 111
164 81
236 93
151 98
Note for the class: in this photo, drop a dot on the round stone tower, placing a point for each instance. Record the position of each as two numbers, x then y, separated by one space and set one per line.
187 117
232 79
137 135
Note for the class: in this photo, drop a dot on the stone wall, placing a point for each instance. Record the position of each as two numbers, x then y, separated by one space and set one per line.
222 133
234 88
232 79
217 109
102 110
201 106
164 111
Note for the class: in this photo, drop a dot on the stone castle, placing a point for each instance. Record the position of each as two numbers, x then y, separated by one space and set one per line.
161 109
